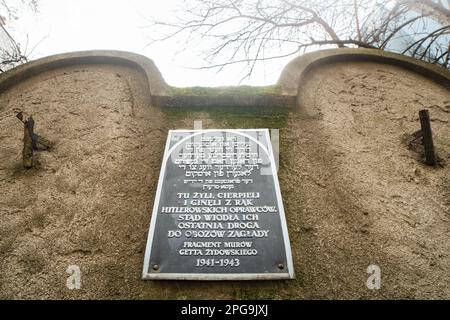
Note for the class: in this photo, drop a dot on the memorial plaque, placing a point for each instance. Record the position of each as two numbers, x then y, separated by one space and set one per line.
218 213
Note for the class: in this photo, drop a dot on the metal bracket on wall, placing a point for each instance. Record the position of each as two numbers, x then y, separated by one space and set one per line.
31 141
426 135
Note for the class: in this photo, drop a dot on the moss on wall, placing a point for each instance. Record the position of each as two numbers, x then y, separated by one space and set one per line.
220 91
230 117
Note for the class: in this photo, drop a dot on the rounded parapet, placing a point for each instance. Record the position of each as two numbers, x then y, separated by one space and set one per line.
291 76
157 85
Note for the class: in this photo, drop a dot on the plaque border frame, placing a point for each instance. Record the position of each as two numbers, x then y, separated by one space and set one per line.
290 274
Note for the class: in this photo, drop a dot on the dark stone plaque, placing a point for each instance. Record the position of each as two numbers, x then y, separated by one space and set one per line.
218 213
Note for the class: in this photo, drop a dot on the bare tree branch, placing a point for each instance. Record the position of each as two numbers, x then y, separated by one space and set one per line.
10 51
251 31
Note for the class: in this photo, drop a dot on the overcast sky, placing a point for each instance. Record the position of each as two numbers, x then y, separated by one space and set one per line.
73 25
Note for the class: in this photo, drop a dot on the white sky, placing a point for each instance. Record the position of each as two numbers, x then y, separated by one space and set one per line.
74 25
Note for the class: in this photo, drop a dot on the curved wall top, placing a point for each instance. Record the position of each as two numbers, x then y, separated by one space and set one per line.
157 85
291 76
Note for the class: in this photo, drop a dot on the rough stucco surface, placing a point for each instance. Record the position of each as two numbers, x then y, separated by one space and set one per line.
89 200
113 57
361 196
292 73
354 194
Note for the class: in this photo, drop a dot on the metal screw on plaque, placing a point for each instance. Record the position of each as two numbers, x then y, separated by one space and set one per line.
155 267
280 266
426 136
